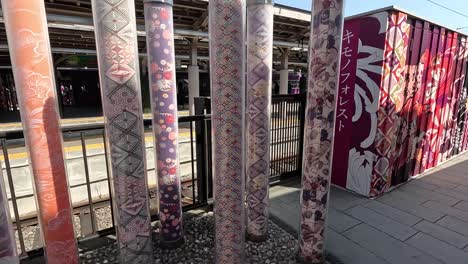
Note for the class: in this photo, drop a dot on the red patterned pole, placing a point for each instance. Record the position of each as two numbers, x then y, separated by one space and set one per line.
116 43
30 53
7 239
259 83
227 40
324 61
160 46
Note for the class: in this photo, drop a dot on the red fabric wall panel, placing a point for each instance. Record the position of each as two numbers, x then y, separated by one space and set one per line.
426 101
418 100
450 136
406 97
345 107
449 98
360 131
412 95
391 101
443 98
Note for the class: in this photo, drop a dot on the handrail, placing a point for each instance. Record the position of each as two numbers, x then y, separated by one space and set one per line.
18 133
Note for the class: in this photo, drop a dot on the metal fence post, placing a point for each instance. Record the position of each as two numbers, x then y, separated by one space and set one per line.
13 196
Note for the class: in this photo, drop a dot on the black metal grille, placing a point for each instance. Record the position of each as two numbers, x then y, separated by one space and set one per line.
195 143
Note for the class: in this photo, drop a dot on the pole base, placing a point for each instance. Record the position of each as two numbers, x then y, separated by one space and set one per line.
303 260
256 239
172 244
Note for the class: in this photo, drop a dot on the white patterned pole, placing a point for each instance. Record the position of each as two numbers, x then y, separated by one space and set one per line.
227 45
8 252
162 75
324 61
259 85
116 43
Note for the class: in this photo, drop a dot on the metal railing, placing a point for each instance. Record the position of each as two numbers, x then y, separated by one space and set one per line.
88 167
287 136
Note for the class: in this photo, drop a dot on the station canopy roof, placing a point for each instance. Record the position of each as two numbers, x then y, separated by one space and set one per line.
71 30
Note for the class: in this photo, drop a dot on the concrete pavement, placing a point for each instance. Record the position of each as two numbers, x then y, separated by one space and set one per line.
424 221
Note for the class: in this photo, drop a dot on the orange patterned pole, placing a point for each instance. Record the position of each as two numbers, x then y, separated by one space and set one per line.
27 32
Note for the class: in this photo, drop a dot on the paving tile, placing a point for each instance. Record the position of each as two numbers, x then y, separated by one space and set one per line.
453 193
292 197
340 222
461 188
287 215
448 210
279 191
289 199
437 182
393 213
441 233
459 181
438 249
386 247
454 224
342 200
411 207
408 195
381 222
462 206
423 184
415 191
349 252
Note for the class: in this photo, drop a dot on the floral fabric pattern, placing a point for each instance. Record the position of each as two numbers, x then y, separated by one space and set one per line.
160 43
325 50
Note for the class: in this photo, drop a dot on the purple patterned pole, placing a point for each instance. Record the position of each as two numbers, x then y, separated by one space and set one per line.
227 61
324 61
7 240
116 43
160 46
259 85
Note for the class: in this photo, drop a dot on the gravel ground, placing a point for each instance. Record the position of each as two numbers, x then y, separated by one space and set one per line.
280 248
32 235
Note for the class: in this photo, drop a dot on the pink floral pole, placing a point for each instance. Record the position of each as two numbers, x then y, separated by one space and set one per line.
160 46
324 60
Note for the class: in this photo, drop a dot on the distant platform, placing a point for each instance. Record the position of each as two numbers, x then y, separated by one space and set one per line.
71 122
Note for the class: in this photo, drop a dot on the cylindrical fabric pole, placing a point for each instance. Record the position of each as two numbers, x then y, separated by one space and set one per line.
324 61
259 85
162 75
7 239
30 53
116 43
227 31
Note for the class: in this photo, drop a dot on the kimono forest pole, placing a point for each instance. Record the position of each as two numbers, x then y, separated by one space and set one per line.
324 58
7 240
226 25
31 58
259 70
116 43
160 46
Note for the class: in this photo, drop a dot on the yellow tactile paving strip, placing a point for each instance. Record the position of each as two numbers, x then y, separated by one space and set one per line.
78 121
78 148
